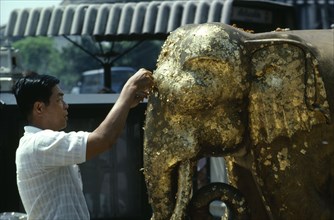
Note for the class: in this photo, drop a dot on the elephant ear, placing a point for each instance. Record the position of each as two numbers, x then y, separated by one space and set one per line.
287 92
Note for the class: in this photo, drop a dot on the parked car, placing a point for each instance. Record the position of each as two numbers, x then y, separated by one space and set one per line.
92 80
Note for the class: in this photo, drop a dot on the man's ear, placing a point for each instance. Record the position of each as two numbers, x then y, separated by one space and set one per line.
38 107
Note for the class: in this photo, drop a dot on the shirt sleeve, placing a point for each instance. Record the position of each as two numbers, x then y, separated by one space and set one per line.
54 149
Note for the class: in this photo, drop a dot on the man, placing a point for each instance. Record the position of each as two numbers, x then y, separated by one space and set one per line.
48 180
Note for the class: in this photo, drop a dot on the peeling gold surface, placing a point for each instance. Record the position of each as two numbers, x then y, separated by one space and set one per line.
209 85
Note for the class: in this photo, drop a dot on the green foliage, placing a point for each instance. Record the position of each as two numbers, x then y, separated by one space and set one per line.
38 54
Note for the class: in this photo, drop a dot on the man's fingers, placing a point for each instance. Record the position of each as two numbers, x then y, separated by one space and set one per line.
142 94
149 83
149 74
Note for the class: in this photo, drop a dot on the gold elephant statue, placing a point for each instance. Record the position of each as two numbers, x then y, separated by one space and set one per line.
262 101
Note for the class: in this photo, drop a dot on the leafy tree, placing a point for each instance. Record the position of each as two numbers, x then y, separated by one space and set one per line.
38 54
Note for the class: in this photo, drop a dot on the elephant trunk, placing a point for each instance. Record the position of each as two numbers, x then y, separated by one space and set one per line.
232 197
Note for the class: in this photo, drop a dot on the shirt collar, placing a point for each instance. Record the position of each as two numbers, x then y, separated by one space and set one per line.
31 129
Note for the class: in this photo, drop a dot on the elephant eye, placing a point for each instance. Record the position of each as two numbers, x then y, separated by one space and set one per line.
211 67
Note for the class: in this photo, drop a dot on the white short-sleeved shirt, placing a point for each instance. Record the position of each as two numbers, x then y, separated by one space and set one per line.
48 178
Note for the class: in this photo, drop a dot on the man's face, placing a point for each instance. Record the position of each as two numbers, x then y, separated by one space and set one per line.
55 115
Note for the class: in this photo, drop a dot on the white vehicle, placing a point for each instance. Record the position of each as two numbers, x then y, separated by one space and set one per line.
92 80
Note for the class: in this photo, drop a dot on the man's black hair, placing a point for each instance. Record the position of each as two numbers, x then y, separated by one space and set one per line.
31 89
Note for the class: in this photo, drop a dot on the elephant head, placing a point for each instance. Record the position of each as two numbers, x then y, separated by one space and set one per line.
221 91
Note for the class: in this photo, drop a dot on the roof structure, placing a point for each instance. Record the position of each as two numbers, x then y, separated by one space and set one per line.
154 19
307 2
313 14
143 20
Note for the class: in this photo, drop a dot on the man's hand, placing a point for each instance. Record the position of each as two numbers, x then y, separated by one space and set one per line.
138 87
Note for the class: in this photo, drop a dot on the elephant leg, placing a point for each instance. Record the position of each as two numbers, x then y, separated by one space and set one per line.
184 190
